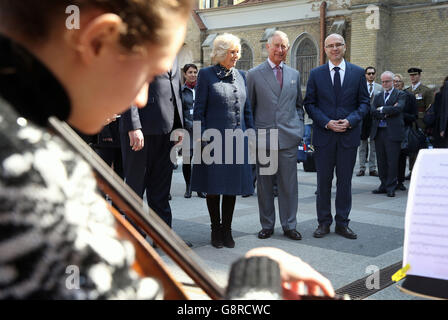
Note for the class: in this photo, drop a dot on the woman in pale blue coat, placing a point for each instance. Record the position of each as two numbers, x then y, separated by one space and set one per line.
222 103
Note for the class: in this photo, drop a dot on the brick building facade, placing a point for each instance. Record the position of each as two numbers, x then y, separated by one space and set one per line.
389 34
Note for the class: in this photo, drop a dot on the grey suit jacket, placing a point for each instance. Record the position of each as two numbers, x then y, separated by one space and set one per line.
377 88
274 107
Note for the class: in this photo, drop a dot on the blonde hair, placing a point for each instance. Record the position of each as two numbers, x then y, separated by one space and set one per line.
222 44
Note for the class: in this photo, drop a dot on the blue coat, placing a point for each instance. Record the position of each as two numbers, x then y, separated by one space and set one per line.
222 102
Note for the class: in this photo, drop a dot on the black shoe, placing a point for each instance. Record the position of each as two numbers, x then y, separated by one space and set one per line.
379 191
373 173
227 238
293 234
408 177
201 195
169 197
391 194
346 232
216 237
361 173
265 233
401 187
187 194
247 195
275 192
321 231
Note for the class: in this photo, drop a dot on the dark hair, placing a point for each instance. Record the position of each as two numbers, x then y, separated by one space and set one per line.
144 20
188 66
365 70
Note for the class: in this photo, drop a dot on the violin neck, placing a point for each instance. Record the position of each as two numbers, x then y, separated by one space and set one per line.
130 204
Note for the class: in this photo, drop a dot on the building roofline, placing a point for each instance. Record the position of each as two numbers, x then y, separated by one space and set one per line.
247 3
198 20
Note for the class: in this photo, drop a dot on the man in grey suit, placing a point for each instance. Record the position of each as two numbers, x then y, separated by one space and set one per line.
367 146
276 98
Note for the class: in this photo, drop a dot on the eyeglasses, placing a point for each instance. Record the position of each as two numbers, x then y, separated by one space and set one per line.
386 81
336 45
370 73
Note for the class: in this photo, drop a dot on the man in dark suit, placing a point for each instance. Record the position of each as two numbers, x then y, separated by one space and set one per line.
388 132
337 100
146 144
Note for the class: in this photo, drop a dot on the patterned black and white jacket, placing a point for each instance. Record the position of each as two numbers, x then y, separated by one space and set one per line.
57 239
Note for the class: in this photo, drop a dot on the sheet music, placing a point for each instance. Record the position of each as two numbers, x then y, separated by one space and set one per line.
426 223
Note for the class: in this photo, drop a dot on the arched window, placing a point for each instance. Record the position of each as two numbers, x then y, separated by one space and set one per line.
246 60
305 58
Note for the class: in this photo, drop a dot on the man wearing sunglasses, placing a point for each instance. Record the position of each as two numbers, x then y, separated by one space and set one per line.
367 146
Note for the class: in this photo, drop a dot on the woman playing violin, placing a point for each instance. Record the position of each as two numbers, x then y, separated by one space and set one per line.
57 239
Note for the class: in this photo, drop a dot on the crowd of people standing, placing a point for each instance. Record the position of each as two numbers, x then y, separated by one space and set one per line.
352 116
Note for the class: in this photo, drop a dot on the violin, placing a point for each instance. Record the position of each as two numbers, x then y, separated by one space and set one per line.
148 263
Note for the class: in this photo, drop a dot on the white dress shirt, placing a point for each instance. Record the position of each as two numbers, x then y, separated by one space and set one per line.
273 65
390 92
384 96
341 71
371 93
342 67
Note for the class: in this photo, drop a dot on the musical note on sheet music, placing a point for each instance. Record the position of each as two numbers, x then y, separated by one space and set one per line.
426 226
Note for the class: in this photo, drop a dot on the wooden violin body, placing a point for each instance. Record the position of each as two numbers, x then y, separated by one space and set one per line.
148 262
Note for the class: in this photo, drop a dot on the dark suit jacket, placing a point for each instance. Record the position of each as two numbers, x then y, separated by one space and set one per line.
410 111
392 112
443 110
321 106
158 116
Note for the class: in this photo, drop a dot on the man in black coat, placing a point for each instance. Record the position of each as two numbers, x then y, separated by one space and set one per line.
410 113
146 145
388 132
